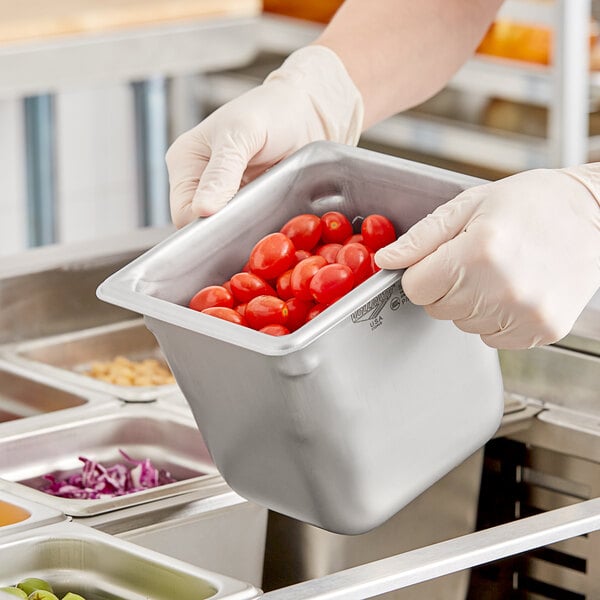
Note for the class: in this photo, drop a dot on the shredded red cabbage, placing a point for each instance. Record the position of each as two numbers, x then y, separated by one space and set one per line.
96 481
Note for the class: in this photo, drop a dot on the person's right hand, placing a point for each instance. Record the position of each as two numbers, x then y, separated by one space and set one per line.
310 97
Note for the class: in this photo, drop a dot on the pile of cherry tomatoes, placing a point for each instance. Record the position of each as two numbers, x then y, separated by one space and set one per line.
296 273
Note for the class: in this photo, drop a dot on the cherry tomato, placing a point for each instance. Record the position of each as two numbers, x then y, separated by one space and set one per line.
228 314
331 282
272 255
246 286
374 266
377 232
357 238
266 310
227 286
303 273
304 231
358 258
241 308
213 295
329 252
246 267
336 228
274 329
301 255
297 313
284 289
317 309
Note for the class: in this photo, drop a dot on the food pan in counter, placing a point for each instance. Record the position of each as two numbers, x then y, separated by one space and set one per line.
26 395
346 420
19 514
78 559
170 439
69 357
221 532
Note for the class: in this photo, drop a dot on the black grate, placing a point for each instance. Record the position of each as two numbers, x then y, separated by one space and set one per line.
519 481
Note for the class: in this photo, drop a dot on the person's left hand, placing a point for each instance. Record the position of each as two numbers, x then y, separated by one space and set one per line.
514 261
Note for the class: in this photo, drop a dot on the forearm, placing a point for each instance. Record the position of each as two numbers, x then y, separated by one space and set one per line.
401 52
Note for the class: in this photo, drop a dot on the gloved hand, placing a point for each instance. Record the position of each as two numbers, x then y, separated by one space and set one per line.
310 97
514 261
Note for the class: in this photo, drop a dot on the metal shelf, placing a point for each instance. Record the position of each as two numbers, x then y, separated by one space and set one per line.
566 88
428 134
461 142
513 80
526 11
491 76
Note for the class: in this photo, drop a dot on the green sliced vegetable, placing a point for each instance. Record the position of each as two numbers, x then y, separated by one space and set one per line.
32 584
15 591
42 595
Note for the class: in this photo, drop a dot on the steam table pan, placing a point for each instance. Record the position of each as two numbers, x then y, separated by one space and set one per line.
26 395
170 439
67 357
78 559
345 421
19 514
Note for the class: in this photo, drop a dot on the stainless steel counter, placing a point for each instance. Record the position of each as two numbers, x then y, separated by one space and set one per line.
551 410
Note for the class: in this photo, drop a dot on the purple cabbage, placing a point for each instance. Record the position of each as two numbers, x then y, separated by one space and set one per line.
96 481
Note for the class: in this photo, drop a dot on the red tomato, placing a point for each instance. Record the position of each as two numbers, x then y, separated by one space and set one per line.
331 282
317 309
377 232
336 228
246 267
213 295
301 255
241 308
227 286
272 255
297 313
374 266
357 238
329 252
246 286
274 329
284 289
228 314
304 231
358 258
266 310
303 273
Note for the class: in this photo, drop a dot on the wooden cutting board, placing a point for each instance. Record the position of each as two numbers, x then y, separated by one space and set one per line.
26 20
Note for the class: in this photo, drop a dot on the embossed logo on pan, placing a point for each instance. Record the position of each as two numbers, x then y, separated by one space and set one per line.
373 307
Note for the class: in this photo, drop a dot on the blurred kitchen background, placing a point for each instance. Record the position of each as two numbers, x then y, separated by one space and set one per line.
92 93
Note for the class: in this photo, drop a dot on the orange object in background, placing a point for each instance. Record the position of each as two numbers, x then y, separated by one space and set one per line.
310 10
11 514
528 43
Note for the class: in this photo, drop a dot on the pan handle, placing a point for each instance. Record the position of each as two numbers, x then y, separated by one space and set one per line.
447 557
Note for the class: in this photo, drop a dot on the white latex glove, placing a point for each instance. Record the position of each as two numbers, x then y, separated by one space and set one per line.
310 97
514 261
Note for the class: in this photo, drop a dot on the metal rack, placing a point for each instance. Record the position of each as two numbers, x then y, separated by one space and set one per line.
424 564
566 88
